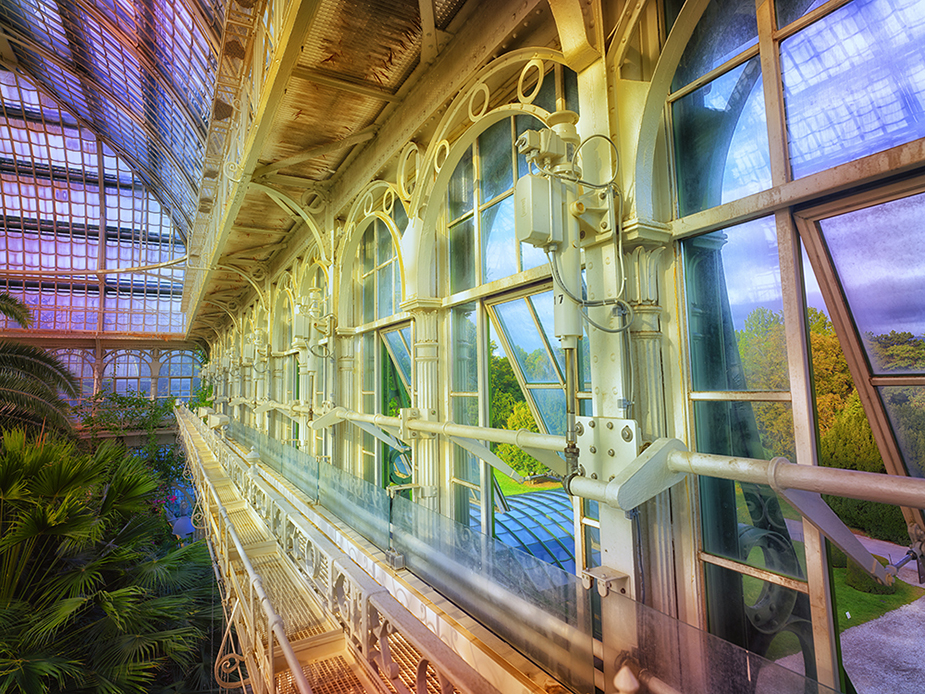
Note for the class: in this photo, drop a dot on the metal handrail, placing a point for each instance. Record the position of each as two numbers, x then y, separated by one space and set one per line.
275 625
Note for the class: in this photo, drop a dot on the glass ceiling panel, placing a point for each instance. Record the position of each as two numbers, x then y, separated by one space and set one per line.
57 216
879 255
142 74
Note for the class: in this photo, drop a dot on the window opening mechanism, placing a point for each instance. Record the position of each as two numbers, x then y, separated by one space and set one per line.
553 212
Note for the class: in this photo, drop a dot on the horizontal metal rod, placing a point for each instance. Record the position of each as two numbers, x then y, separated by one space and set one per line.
780 473
519 438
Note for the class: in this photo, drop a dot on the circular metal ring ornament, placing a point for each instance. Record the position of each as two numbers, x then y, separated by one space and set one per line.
388 201
540 72
314 202
480 88
368 205
410 150
443 151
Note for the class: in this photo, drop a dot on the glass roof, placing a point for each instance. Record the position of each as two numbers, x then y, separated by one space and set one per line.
105 110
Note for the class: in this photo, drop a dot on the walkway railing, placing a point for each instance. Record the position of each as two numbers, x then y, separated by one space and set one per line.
387 639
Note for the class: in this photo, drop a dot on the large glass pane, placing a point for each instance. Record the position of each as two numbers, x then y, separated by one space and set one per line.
879 255
764 618
462 256
721 140
758 532
726 28
905 406
790 10
551 404
735 309
386 295
400 352
499 257
529 347
496 174
465 363
460 192
854 83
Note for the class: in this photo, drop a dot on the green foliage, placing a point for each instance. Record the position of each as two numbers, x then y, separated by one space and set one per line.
526 465
897 351
32 380
95 595
860 580
202 397
882 521
116 413
503 387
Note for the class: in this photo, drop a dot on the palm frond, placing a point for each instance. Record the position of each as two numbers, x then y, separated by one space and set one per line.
35 362
13 308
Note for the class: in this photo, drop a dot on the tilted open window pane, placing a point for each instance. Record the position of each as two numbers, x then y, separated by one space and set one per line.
879 255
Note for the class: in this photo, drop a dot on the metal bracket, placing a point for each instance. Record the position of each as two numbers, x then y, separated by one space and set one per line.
396 560
481 451
606 579
407 414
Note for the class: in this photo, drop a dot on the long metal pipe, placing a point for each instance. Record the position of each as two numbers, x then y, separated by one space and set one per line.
519 438
780 473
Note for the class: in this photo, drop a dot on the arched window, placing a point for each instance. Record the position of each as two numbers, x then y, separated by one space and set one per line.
126 371
179 376
80 363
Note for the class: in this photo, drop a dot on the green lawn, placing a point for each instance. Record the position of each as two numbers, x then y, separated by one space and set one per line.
509 486
867 606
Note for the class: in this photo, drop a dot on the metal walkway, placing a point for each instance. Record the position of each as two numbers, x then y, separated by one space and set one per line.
291 591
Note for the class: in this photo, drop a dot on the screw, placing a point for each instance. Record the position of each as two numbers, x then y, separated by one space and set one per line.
604 225
591 424
593 475
579 428
610 425
627 434
610 452
593 449
623 590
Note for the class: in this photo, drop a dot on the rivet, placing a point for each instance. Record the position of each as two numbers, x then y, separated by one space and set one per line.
610 452
591 424
592 449
610 425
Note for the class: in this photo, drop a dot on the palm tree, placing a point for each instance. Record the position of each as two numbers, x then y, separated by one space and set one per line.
93 596
31 379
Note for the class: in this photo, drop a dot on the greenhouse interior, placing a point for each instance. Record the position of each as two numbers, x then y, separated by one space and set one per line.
650 447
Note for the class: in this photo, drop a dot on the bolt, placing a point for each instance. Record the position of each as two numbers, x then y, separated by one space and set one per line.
579 428
602 195
604 225
623 590
610 452
593 449
611 478
591 424
627 434
593 475
610 425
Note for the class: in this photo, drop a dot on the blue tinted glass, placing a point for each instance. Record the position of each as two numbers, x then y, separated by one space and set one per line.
726 28
721 140
499 258
528 345
879 255
735 309
854 83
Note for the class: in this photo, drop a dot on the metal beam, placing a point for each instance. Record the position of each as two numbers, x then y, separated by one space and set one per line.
299 18
344 84
319 151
